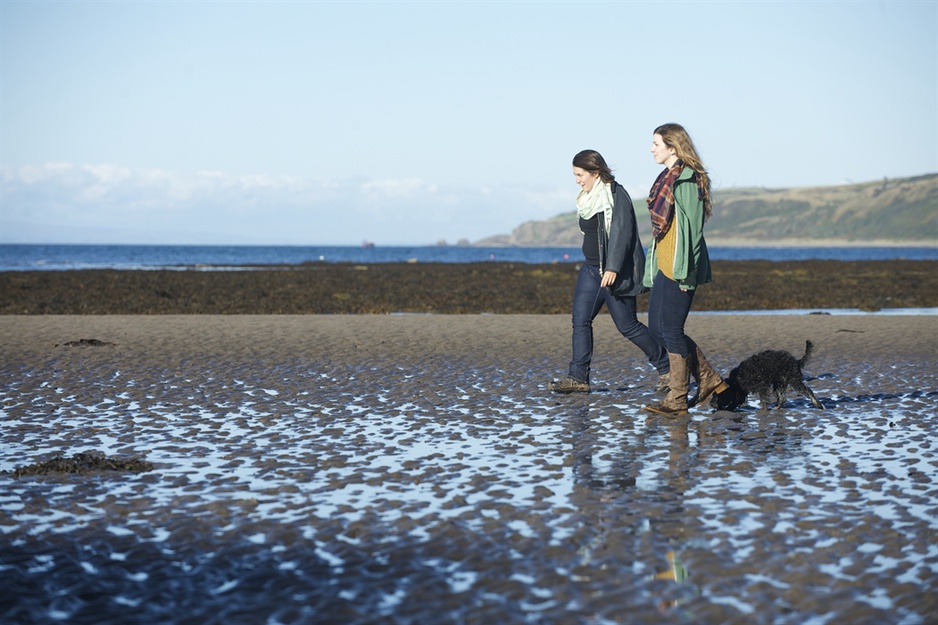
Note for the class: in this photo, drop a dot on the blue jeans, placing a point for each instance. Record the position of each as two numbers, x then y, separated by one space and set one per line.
588 300
668 308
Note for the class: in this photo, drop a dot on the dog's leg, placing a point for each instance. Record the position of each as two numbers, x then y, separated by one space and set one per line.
780 394
802 388
764 400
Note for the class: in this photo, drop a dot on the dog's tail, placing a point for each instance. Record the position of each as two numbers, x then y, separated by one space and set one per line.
808 348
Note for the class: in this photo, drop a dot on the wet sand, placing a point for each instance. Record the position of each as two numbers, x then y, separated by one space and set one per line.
413 469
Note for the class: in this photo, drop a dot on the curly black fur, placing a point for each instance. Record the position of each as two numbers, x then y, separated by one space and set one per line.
767 373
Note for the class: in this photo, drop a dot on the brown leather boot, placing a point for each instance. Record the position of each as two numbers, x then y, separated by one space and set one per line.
692 400
676 402
708 380
568 385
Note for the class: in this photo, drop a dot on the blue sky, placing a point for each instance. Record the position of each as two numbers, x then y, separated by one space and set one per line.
413 122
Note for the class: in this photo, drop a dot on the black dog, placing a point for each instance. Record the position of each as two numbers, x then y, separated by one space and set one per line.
767 373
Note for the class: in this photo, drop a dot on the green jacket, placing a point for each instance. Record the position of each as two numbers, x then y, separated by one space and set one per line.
691 260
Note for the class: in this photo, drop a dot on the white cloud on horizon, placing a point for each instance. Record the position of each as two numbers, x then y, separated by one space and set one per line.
102 203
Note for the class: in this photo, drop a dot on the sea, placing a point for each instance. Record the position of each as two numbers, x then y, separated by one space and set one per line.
45 257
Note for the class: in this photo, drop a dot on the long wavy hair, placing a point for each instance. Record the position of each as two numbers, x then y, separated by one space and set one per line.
674 136
593 162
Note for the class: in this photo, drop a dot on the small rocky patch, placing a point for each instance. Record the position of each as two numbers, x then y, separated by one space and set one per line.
86 343
90 462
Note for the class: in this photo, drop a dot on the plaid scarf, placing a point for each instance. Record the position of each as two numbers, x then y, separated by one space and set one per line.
661 199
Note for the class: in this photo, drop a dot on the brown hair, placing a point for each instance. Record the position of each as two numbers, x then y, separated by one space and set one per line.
674 136
593 162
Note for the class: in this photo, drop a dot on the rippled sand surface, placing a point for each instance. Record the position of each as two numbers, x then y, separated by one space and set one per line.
413 469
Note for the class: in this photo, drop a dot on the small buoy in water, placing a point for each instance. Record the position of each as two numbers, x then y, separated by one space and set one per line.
322 258
566 257
491 256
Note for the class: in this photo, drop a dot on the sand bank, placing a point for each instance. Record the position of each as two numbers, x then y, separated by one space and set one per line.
408 338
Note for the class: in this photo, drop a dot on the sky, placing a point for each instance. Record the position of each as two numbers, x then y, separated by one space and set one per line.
411 123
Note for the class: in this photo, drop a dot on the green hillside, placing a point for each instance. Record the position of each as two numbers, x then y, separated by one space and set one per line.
891 210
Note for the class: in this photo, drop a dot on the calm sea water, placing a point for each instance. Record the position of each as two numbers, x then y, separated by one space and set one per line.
22 257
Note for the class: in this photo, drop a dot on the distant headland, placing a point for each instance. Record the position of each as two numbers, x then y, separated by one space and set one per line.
887 212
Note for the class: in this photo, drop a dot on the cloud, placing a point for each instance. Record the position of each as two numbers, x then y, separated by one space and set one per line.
68 203
397 188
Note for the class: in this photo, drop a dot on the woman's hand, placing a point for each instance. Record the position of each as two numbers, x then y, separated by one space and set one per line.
609 278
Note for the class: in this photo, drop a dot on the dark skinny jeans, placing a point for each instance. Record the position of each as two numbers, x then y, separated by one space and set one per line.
588 300
668 308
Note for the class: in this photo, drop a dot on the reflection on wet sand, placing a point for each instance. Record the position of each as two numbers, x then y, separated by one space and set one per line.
618 477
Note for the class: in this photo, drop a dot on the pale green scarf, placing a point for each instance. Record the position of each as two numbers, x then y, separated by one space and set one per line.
598 199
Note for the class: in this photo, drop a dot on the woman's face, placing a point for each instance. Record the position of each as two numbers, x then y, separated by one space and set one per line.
585 179
663 154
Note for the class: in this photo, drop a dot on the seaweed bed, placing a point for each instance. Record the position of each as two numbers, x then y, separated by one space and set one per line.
90 462
465 288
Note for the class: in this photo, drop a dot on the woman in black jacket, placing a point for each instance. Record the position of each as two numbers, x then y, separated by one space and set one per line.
612 274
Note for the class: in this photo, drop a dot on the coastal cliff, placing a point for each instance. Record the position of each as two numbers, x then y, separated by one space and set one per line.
888 211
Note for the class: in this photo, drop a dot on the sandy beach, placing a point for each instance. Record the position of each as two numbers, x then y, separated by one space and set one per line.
415 338
413 469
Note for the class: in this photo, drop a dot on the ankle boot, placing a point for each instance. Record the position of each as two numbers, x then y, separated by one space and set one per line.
708 380
676 402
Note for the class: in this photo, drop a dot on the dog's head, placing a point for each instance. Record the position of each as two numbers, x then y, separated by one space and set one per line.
732 398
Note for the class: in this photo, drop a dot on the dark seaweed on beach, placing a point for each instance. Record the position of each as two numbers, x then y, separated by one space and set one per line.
86 343
91 462
470 288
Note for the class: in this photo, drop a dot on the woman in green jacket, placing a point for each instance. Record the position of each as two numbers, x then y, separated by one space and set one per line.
679 204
